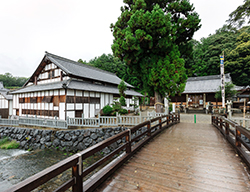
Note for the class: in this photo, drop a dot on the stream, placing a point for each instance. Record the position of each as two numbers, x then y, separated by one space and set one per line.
16 165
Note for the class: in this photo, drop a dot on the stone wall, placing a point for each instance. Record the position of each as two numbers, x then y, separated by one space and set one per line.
69 140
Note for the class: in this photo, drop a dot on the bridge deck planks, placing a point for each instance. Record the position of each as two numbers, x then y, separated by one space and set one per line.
186 157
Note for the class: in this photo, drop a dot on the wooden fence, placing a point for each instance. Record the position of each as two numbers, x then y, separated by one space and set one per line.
235 134
134 139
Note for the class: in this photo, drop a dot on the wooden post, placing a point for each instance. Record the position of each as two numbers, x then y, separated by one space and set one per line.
204 101
237 141
244 113
77 187
221 124
186 100
149 128
128 141
160 120
227 130
167 120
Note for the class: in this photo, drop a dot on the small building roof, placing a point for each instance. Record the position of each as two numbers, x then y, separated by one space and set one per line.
75 84
4 92
205 84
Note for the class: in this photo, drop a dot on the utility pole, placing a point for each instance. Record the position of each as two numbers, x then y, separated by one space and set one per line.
222 79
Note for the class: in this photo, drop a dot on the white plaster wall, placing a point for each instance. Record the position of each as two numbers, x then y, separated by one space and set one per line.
70 92
102 100
92 110
71 114
62 111
70 106
79 93
78 106
10 107
86 110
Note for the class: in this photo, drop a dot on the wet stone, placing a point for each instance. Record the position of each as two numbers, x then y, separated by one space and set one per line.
67 137
56 142
93 136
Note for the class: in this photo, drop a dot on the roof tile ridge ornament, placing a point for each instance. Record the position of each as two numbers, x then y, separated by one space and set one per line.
77 63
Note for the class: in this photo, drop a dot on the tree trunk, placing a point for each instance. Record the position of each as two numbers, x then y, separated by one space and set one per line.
158 103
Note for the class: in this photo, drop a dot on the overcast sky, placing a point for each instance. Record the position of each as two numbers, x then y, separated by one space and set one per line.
75 29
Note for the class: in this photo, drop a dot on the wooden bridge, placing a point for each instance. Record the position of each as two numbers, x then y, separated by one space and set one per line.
184 157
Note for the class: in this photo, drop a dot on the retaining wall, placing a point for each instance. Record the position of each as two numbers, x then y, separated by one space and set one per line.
74 140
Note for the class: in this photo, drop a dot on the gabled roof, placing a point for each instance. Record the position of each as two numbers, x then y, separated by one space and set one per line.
73 68
205 84
4 92
75 84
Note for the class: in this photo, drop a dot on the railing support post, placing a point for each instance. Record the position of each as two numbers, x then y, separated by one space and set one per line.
237 136
77 173
167 120
227 130
160 122
128 141
149 128
221 124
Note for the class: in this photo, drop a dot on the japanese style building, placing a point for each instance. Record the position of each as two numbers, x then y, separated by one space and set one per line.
6 106
200 90
64 88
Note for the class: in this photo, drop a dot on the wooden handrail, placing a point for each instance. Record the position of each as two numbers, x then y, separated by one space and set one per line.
233 135
75 161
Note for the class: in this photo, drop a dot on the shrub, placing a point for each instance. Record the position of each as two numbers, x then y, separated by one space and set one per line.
170 107
6 143
122 101
107 110
123 111
116 106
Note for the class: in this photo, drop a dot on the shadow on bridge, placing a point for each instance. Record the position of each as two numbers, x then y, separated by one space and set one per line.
185 157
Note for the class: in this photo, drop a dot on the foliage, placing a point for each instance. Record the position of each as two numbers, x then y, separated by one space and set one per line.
239 16
206 53
148 36
122 88
236 47
107 110
6 143
170 107
10 81
116 106
122 101
229 91
238 59
4 140
114 65
123 111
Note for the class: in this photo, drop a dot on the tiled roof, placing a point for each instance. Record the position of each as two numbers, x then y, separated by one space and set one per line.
4 92
83 70
205 84
74 84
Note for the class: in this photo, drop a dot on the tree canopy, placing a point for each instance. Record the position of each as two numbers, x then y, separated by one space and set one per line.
150 37
236 47
239 16
9 81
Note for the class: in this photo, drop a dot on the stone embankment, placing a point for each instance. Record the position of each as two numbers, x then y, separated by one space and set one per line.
70 140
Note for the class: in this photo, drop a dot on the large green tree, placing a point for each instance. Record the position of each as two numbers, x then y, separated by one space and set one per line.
241 15
238 60
151 36
12 82
206 52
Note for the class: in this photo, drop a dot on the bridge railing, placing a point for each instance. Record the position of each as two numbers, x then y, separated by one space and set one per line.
132 140
236 135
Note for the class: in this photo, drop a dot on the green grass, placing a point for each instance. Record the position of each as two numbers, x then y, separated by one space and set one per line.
6 143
